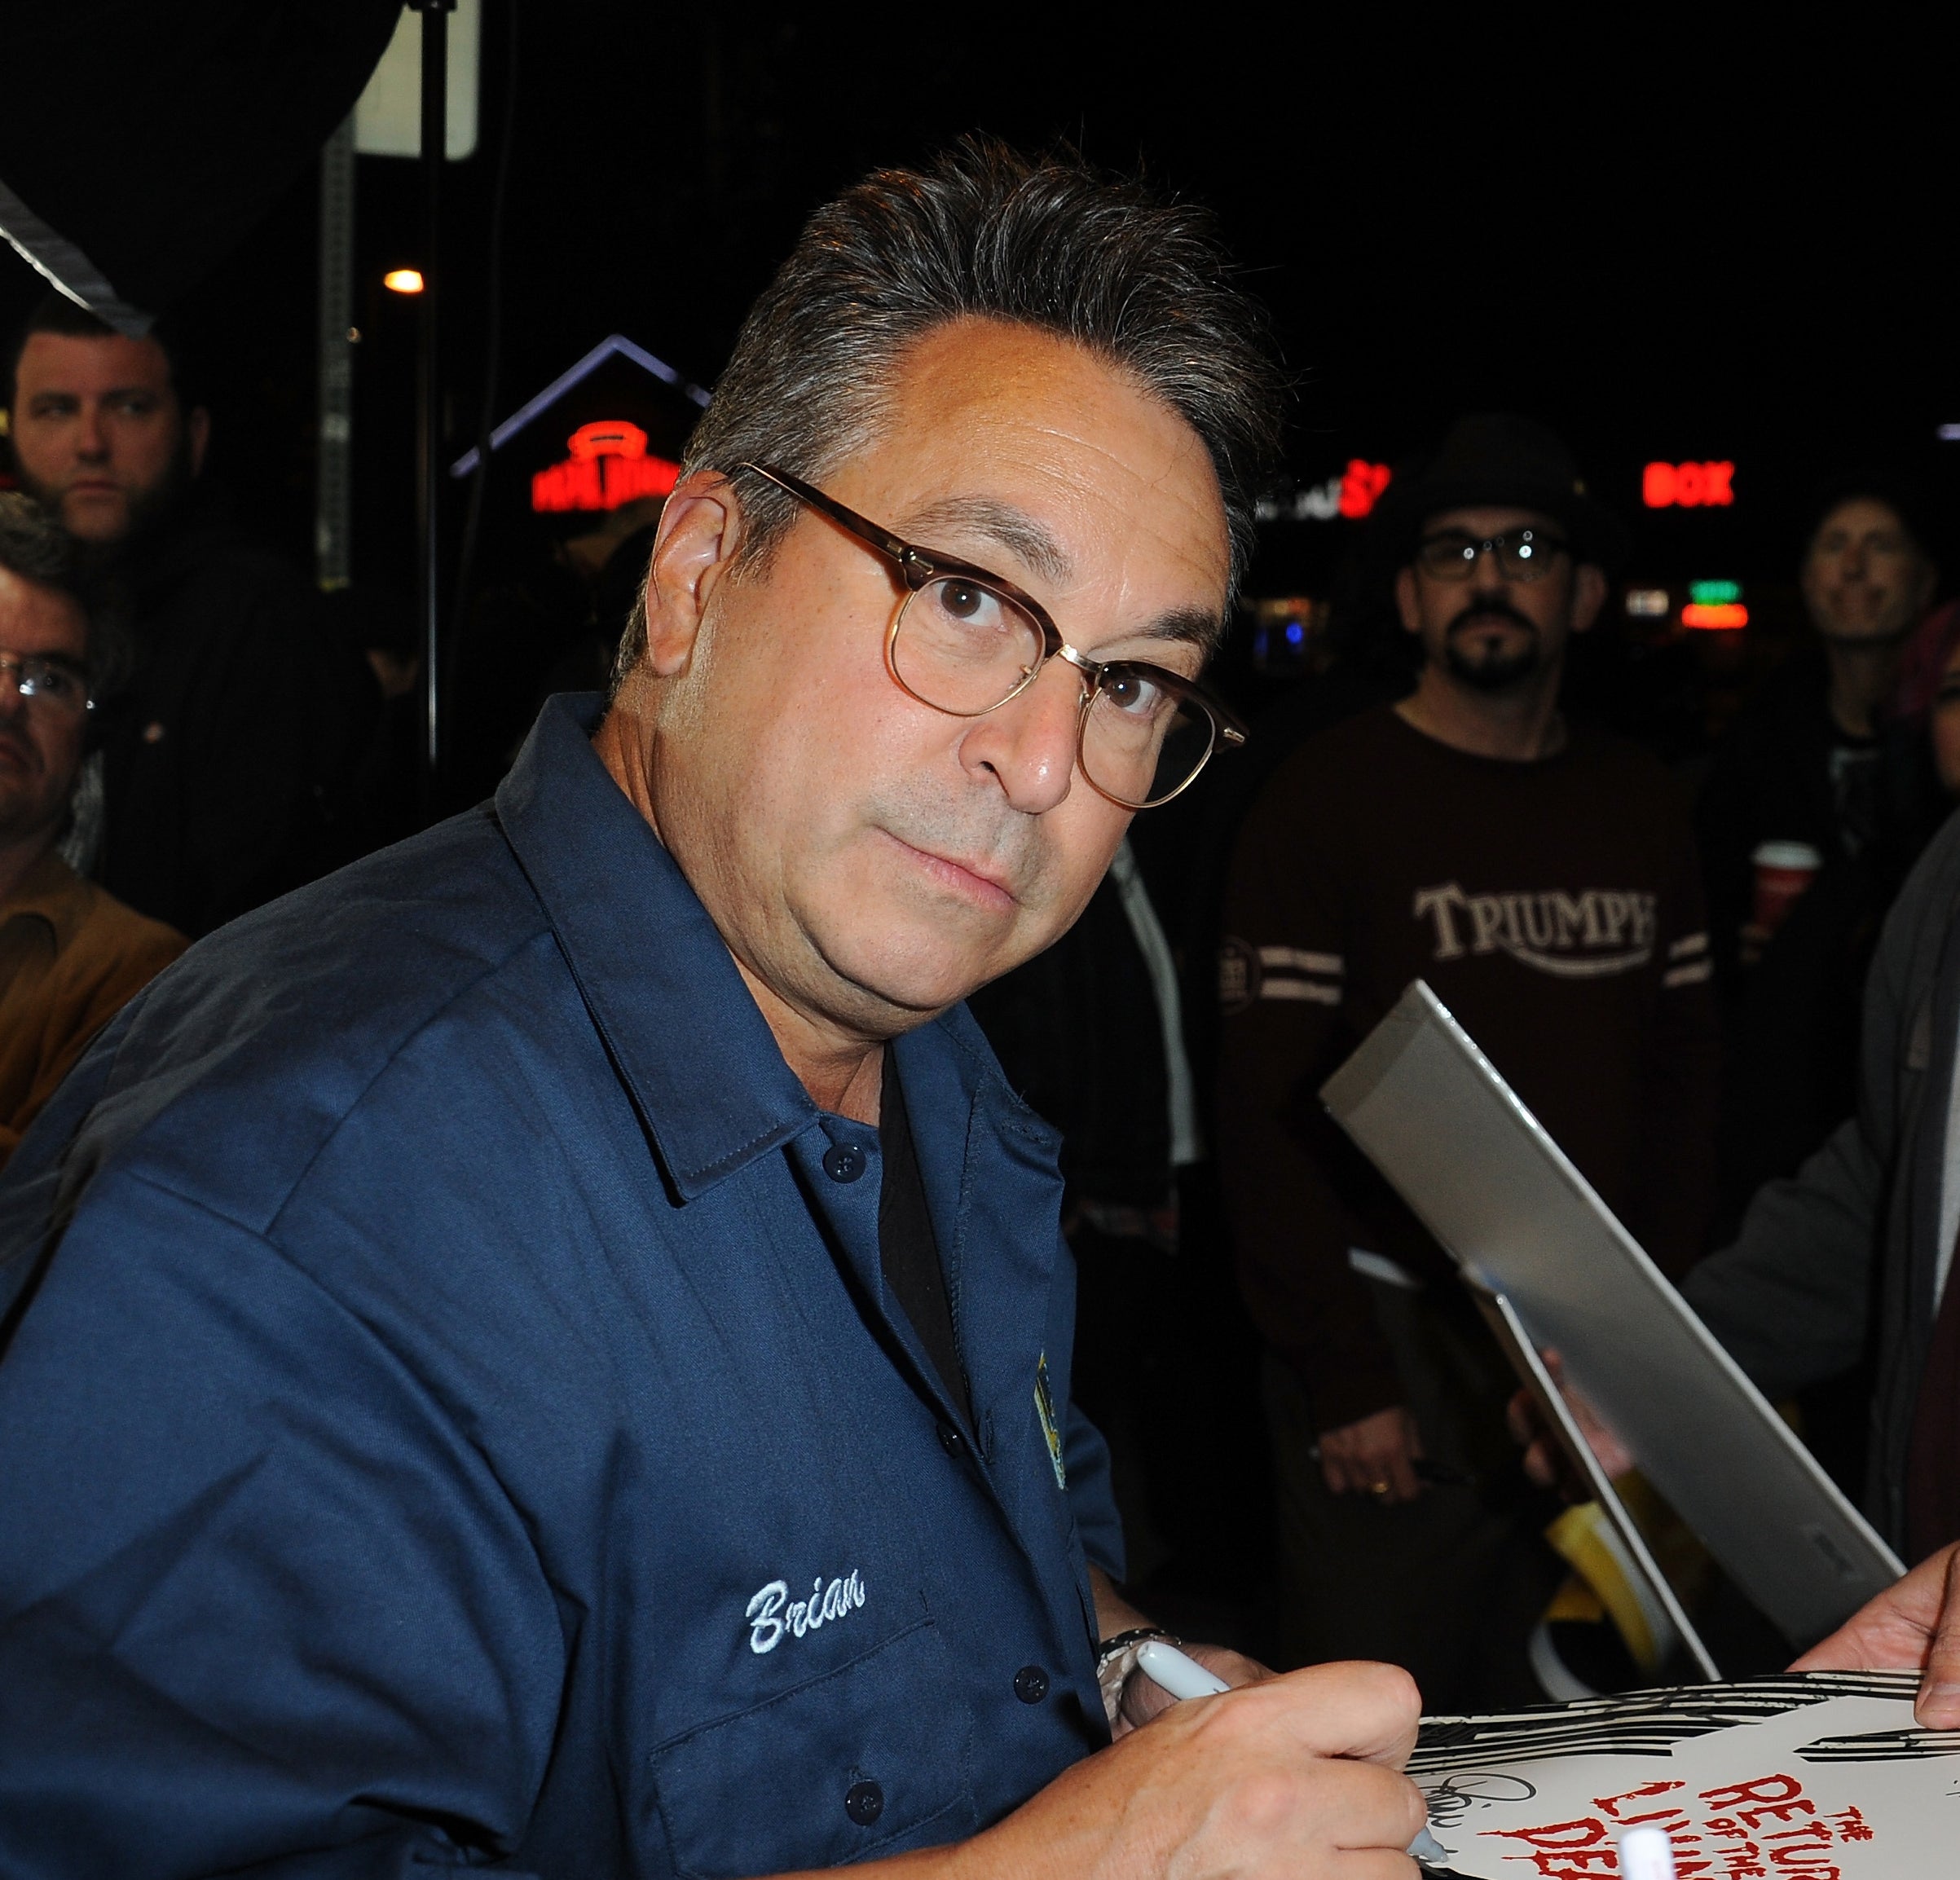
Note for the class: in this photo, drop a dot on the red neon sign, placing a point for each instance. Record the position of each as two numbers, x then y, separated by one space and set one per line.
1688 485
1361 487
1716 616
607 466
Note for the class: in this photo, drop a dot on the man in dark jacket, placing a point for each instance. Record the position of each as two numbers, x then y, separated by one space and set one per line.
1868 1224
222 736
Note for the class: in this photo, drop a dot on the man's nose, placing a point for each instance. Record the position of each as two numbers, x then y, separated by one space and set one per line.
13 702
1029 744
92 436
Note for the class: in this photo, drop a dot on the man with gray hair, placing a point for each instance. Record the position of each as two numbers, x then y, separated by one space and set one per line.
552 1346
71 956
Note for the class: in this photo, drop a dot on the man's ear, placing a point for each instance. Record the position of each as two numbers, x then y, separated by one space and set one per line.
699 535
1588 595
1405 601
197 433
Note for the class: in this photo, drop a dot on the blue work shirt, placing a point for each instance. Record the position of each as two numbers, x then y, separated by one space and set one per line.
461 1418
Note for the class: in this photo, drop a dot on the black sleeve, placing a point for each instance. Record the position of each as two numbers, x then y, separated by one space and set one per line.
1284 992
259 778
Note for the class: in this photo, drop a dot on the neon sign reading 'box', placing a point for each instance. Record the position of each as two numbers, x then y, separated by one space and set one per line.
1688 485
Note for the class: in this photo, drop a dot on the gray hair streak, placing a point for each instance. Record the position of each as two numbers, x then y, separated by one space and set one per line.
1139 278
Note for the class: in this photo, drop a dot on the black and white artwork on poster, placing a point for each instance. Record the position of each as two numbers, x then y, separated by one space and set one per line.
1819 1777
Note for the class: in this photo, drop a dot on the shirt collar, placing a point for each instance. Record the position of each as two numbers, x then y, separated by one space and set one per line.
52 891
687 1037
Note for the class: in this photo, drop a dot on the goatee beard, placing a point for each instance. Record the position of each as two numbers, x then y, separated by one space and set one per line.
1495 672
1491 671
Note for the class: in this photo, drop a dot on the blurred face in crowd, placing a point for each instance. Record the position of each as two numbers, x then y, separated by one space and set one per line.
1495 631
868 858
41 737
1864 577
99 433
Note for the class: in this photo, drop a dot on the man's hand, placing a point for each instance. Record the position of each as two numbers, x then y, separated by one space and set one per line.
1296 1777
1293 1777
1544 1455
1143 1697
1914 1625
1374 1457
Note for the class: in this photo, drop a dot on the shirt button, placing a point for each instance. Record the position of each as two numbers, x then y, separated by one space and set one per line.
844 1163
951 1440
864 1803
1031 1683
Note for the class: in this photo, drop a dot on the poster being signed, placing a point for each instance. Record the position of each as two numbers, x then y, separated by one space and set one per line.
1823 1776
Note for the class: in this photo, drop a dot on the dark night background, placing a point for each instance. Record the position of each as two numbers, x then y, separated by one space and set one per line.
1673 237
1719 235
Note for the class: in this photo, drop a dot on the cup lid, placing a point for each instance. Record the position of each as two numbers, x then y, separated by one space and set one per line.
1787 854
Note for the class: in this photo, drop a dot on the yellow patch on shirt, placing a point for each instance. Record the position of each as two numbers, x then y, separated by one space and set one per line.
1044 1408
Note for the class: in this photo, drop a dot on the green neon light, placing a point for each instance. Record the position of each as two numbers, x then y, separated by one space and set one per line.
1714 593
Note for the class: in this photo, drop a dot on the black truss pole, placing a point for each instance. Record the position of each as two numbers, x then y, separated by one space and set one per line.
428 388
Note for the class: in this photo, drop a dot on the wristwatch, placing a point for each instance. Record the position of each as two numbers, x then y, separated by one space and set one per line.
1116 1658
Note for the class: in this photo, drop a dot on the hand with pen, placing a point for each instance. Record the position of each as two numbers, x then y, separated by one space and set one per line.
1291 1778
1294 1777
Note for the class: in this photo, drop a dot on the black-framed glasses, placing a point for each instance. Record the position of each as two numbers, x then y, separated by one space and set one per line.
1522 554
45 678
965 642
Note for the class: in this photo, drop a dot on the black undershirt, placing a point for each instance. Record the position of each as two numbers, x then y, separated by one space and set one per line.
908 1250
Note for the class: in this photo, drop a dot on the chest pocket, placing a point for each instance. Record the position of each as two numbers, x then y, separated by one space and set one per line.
868 1758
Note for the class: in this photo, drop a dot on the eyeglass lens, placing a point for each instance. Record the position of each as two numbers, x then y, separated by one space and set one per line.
1521 557
42 679
960 647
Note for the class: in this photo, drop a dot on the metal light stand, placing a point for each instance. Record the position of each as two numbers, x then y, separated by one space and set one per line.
429 394
333 504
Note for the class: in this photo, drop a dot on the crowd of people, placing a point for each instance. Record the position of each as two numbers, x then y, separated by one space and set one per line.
219 746
1670 965
516 1332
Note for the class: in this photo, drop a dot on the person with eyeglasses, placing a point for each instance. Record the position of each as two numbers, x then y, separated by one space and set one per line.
226 733
1541 877
70 955
551 1347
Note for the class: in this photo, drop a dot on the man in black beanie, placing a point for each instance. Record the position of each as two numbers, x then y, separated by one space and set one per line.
1542 878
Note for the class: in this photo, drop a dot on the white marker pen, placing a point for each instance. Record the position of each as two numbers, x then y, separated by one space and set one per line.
1646 1854
1183 1677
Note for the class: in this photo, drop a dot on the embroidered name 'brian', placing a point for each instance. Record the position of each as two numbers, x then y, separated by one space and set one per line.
771 1612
